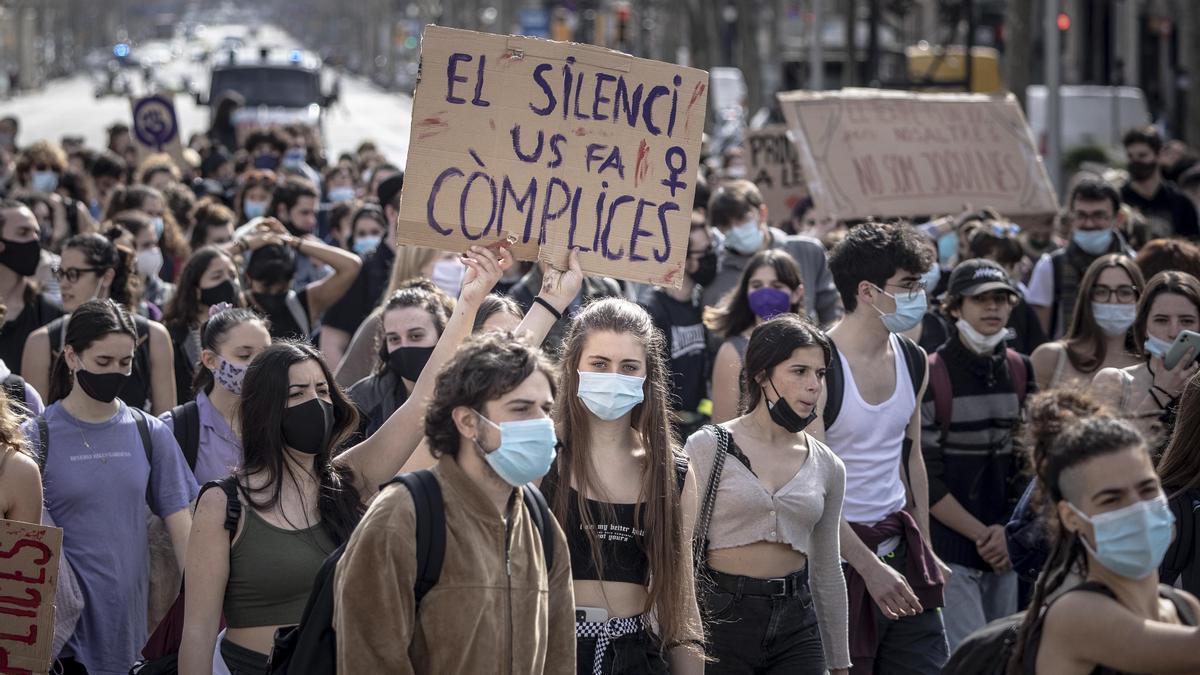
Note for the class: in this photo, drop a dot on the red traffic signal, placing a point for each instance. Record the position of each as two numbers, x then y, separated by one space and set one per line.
1063 22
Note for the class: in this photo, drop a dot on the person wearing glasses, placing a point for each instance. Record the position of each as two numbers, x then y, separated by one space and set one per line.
1147 394
93 268
1100 334
871 418
1054 286
28 308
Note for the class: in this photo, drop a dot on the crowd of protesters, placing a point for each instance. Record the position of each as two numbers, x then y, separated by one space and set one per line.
835 447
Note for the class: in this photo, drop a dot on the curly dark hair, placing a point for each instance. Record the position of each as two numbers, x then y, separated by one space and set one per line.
873 252
487 367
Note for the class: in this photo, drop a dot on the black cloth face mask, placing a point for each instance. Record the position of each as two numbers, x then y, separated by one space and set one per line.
706 269
406 362
783 415
307 427
222 292
102 387
21 257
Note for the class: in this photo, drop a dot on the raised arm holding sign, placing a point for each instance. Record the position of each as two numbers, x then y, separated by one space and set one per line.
565 146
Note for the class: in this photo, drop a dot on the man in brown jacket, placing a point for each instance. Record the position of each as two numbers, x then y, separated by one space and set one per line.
496 608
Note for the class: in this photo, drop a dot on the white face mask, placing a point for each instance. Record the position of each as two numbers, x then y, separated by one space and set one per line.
448 276
149 262
978 342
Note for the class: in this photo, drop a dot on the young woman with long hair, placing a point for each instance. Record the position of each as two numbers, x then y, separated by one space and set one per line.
229 341
359 357
625 497
300 493
105 462
20 478
254 194
776 601
93 267
1110 520
209 278
168 234
1101 332
1148 393
1179 470
414 318
770 285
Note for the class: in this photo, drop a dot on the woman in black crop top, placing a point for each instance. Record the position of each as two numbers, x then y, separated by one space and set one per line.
625 497
1113 522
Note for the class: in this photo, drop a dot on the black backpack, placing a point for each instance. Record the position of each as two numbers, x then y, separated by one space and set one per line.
835 385
185 420
310 648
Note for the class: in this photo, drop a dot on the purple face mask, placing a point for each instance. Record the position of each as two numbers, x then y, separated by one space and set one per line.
766 303
230 376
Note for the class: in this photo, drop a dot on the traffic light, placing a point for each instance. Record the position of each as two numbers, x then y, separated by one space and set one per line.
1063 22
623 14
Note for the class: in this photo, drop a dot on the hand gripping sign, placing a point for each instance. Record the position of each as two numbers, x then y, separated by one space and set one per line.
558 144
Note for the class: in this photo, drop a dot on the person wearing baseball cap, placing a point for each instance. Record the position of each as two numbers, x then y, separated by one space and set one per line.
977 387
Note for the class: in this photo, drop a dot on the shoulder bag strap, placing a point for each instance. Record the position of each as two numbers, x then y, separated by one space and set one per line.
700 534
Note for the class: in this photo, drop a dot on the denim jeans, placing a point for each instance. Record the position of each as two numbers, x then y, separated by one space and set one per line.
975 598
761 634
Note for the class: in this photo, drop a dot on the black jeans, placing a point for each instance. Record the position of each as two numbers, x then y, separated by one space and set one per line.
242 661
762 634
633 654
910 645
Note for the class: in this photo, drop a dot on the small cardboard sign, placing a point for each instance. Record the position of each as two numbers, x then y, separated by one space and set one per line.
774 166
29 556
155 127
559 145
874 152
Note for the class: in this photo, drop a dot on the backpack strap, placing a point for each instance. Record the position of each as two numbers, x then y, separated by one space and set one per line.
916 361
233 505
539 510
43 432
143 427
1019 373
186 421
834 387
943 393
431 528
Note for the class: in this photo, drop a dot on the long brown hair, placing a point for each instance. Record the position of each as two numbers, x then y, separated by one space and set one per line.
1086 343
1163 283
732 315
1179 468
671 584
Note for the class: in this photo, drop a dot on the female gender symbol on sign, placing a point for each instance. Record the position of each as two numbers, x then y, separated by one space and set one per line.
154 123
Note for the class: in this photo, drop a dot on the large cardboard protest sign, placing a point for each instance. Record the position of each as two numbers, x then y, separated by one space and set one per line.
559 145
872 152
29 556
774 166
155 127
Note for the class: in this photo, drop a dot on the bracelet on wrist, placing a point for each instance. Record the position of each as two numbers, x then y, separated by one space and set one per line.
549 308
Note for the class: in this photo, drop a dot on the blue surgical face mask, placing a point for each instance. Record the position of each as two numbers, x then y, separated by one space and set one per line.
947 247
1093 242
1114 318
1133 540
157 222
526 451
44 181
364 245
341 194
745 238
254 209
909 311
610 396
1156 346
931 278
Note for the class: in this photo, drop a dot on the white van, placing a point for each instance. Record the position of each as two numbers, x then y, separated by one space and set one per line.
1091 115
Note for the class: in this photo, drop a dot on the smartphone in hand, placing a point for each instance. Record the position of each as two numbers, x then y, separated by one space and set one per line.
1185 341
